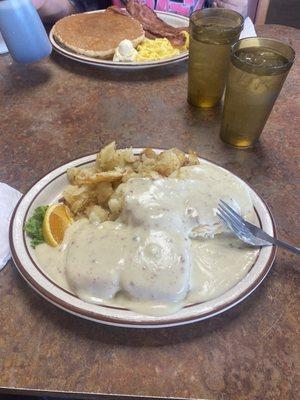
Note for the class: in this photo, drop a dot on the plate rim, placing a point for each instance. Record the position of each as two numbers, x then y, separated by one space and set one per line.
120 65
112 320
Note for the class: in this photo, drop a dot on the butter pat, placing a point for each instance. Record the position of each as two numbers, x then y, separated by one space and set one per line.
125 51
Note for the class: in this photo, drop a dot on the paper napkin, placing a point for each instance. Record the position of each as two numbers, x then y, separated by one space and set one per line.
8 200
249 30
3 48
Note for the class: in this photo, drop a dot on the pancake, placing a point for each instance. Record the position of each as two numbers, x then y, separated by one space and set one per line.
97 34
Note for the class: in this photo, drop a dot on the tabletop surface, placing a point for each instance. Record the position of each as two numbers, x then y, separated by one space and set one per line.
57 110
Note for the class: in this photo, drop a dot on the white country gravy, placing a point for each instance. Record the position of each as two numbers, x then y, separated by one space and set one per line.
146 260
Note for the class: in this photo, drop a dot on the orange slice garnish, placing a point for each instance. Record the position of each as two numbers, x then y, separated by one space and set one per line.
57 219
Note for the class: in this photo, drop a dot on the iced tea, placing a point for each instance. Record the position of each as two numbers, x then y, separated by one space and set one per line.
212 33
257 72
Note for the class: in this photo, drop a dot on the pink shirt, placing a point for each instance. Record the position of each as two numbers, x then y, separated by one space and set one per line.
183 7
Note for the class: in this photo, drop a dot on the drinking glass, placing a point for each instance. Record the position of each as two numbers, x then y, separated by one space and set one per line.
212 32
257 71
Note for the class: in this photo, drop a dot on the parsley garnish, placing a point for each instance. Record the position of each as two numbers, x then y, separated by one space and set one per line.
34 226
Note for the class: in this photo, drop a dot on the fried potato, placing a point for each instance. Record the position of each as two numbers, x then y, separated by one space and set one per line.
168 161
87 177
109 158
130 174
96 191
180 155
71 174
97 214
116 202
149 174
104 190
78 198
192 158
74 174
149 153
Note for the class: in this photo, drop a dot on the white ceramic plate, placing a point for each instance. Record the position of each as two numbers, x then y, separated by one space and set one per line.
172 19
48 190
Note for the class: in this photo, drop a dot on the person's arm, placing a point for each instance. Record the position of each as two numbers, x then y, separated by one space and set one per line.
52 10
241 6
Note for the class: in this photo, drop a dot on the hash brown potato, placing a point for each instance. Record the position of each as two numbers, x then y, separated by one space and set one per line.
92 191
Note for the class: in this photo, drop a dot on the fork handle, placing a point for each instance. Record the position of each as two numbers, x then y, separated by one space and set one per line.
287 246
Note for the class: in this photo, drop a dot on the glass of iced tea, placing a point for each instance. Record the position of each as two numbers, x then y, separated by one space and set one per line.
257 71
212 32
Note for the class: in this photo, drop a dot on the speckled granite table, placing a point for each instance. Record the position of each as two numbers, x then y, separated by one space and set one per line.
57 110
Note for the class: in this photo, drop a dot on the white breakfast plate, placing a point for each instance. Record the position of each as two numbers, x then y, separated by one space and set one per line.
49 189
171 19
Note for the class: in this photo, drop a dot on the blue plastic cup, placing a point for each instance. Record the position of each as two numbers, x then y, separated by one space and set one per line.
23 31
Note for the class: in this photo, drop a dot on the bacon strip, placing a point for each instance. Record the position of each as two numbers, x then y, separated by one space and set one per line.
153 25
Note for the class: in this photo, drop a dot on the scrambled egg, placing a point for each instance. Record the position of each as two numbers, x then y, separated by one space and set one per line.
152 50
149 50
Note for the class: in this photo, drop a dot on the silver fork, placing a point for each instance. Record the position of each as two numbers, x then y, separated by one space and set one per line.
248 232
